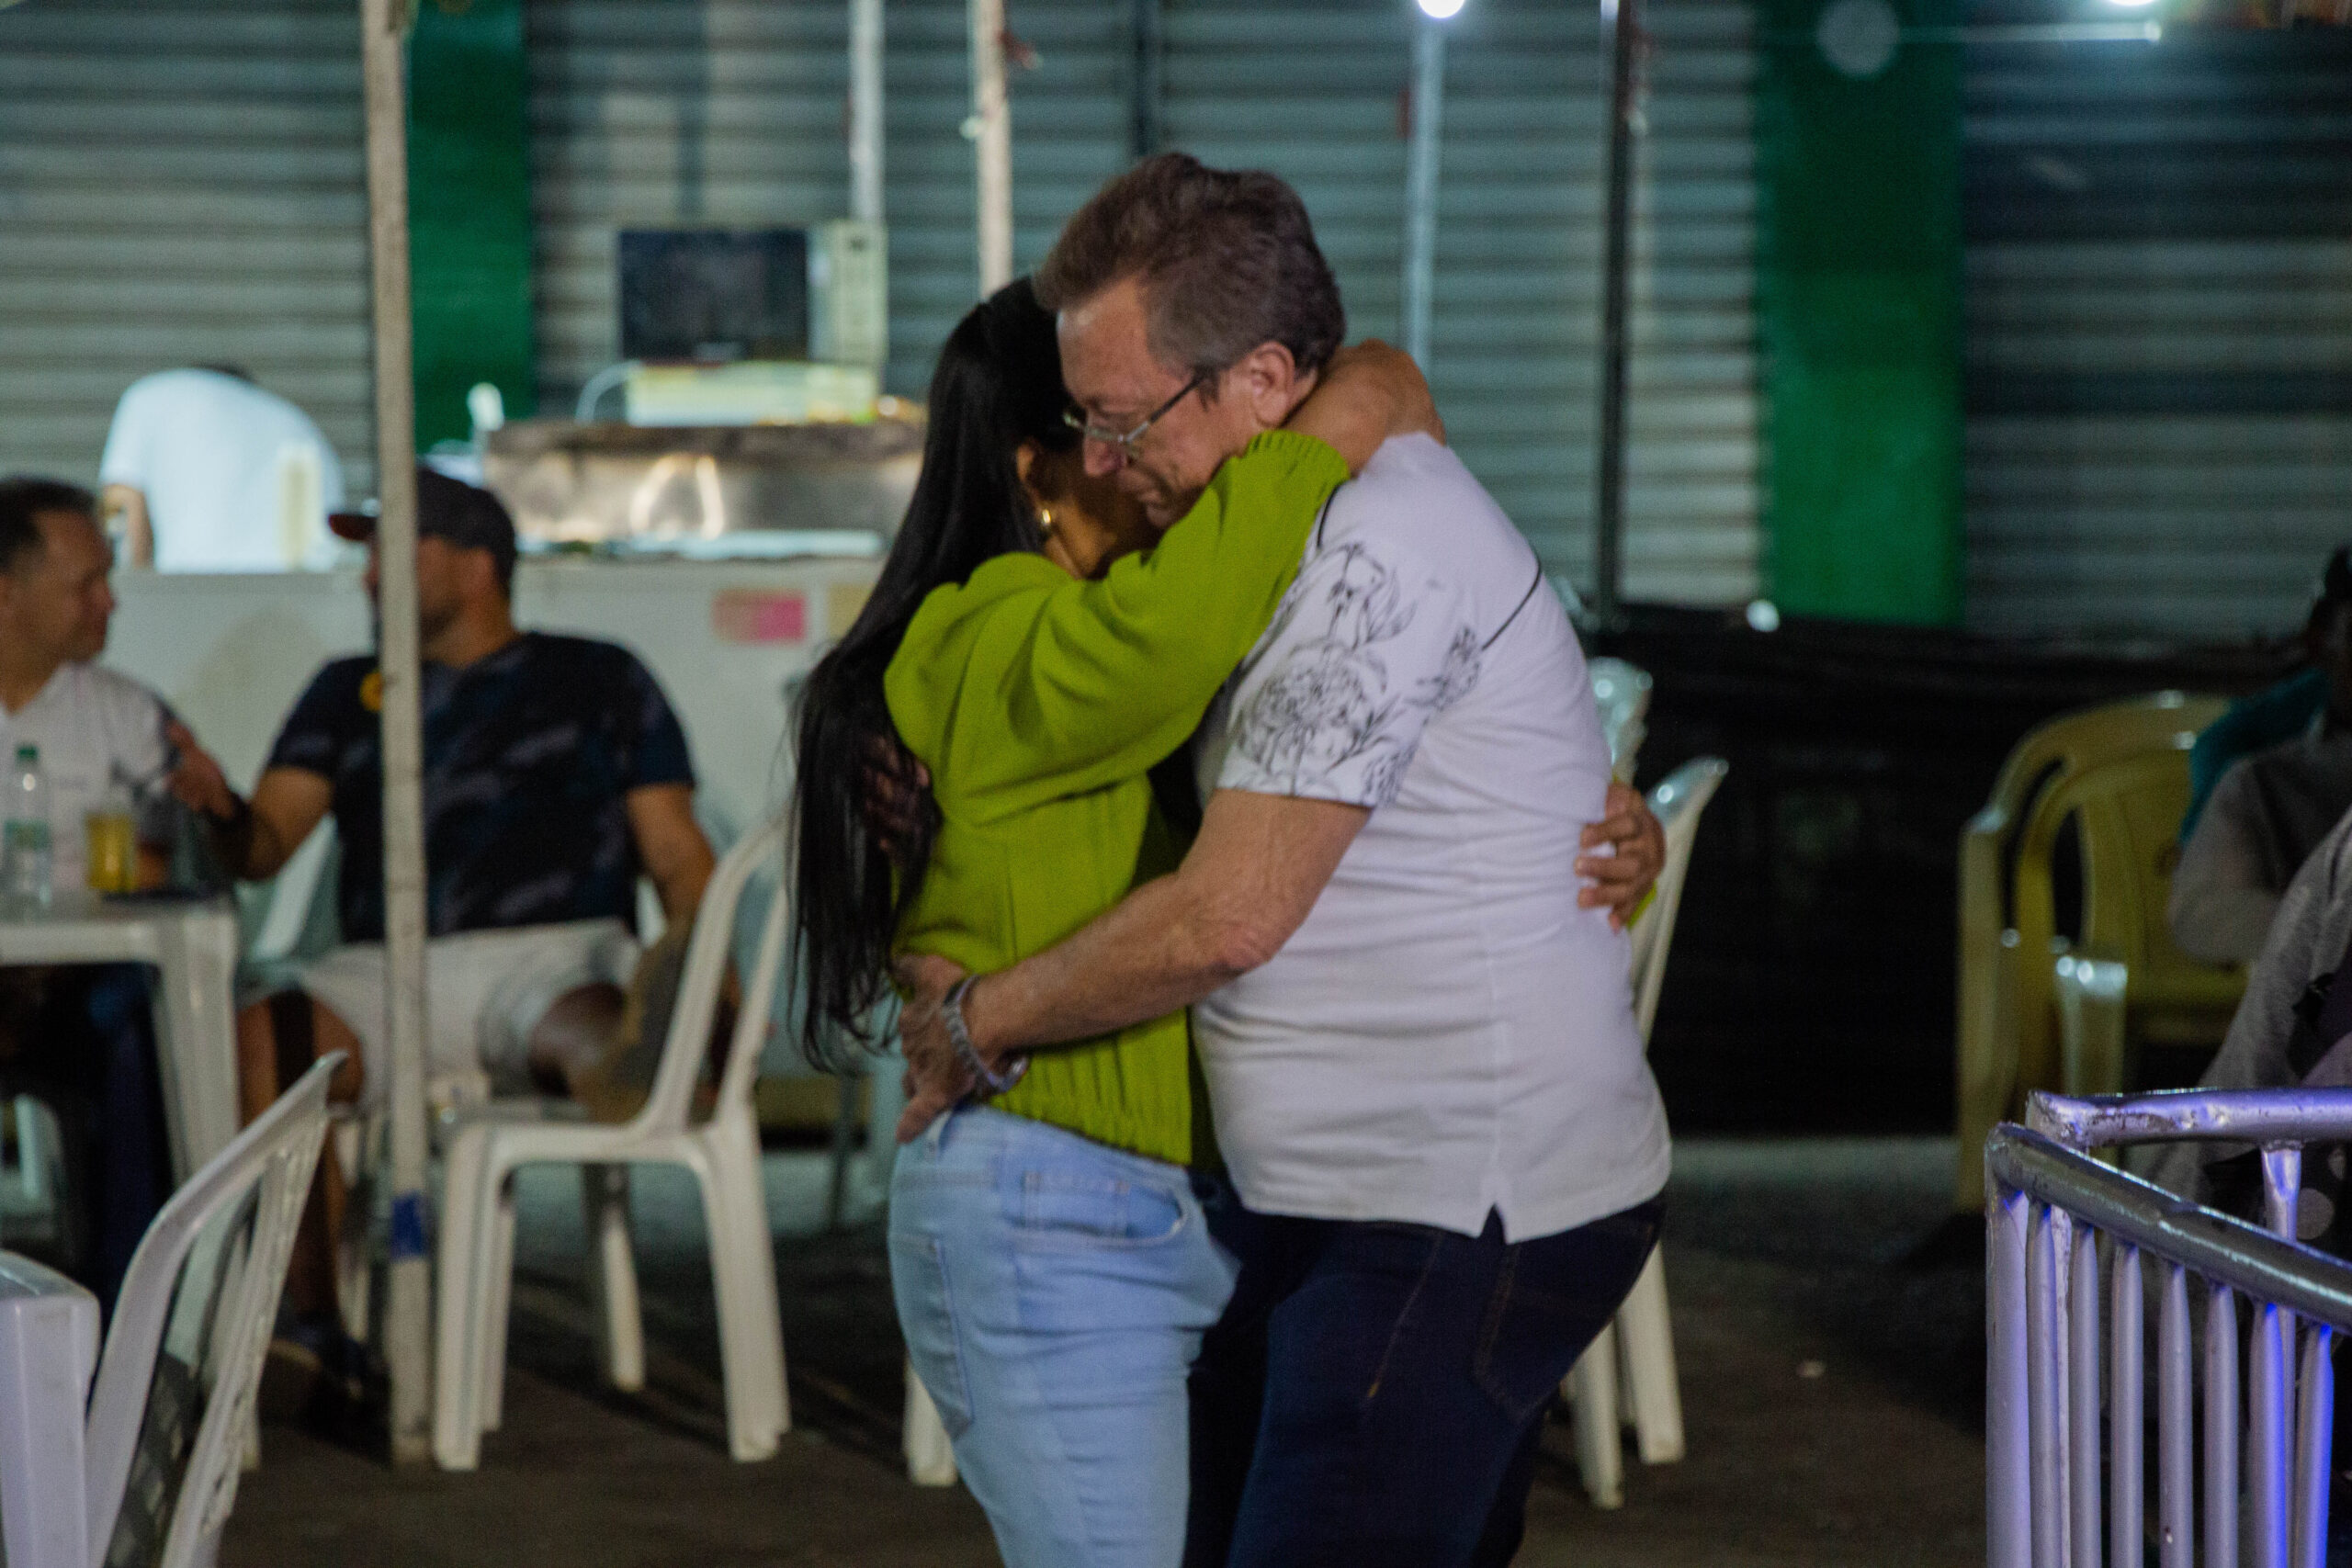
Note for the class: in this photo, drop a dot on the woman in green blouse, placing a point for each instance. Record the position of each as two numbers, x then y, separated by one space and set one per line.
1038 648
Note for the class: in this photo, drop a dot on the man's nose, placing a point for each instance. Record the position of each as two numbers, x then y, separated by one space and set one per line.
1104 458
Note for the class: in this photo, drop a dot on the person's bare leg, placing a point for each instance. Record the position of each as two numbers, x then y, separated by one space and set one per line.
256 1061
573 1046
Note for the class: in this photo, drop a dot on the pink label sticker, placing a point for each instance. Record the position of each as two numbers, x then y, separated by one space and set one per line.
755 614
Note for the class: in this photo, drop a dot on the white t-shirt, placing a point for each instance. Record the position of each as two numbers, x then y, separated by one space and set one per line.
1447 1033
236 478
99 733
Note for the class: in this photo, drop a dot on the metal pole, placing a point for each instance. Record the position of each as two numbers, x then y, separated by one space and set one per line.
1620 22
992 145
1145 132
407 1326
1420 183
866 110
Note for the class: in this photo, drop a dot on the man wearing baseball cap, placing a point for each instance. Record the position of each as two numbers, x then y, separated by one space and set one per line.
554 775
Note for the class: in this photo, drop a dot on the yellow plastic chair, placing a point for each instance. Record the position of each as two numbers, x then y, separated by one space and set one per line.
2008 1033
2126 983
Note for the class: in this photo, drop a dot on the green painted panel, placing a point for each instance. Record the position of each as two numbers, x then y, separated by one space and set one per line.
1859 292
469 211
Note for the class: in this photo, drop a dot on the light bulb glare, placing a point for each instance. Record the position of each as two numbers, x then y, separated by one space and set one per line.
1439 11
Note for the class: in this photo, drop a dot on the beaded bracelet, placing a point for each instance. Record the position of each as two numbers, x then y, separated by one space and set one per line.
959 1035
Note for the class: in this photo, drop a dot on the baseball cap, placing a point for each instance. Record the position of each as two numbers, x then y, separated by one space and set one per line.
463 515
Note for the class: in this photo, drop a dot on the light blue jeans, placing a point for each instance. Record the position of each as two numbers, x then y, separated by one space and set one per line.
1053 1293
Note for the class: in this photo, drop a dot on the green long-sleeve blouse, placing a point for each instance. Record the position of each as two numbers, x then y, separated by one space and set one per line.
1039 703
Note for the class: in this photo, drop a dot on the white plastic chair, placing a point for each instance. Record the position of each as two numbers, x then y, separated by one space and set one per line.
1677 802
156 1457
32 1192
477 1251
49 1353
1621 692
1638 1347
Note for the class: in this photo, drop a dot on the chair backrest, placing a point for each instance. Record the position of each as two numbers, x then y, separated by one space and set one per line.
1621 693
2128 812
48 1351
300 911
200 1297
688 1044
1677 802
2162 723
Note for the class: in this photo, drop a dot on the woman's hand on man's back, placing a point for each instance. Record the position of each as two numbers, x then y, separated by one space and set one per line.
1368 393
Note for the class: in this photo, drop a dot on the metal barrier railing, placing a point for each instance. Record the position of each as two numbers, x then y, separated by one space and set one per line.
2049 1207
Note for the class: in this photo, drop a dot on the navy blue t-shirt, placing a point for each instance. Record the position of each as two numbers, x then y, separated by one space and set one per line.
529 756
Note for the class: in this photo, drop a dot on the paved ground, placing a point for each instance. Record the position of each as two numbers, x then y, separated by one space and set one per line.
1833 1399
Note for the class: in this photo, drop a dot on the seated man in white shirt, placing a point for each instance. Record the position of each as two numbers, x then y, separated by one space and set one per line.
82 1036
1420 1050
210 472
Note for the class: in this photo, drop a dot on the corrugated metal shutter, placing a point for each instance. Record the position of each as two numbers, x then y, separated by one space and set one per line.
179 183
1069 134
1513 340
184 184
677 114
649 113
2159 301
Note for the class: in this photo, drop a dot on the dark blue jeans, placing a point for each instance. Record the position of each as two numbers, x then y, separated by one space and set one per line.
91 1058
1375 1392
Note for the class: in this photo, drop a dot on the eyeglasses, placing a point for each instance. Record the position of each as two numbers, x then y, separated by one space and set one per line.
1126 443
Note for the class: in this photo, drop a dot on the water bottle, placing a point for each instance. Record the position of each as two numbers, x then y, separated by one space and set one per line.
25 854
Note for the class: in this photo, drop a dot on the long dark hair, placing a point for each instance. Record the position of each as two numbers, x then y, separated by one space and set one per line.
998 384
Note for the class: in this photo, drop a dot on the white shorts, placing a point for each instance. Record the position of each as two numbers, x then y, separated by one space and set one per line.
485 992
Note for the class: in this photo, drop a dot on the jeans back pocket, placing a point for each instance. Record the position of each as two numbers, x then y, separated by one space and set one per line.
1069 1209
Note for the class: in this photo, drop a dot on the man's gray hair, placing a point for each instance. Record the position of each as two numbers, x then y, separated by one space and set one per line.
1228 261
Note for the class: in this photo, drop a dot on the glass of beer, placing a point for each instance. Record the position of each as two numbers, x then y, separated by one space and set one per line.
113 848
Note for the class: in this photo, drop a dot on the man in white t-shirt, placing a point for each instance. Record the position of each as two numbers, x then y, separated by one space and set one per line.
82 1036
210 472
1428 1085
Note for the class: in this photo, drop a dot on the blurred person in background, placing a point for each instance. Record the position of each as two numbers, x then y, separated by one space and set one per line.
555 775
2278 774
205 471
82 1037
2292 1029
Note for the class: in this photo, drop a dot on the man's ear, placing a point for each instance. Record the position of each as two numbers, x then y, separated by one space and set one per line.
482 566
1269 378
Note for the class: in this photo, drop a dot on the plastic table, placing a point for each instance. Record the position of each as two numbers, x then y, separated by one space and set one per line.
194 944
